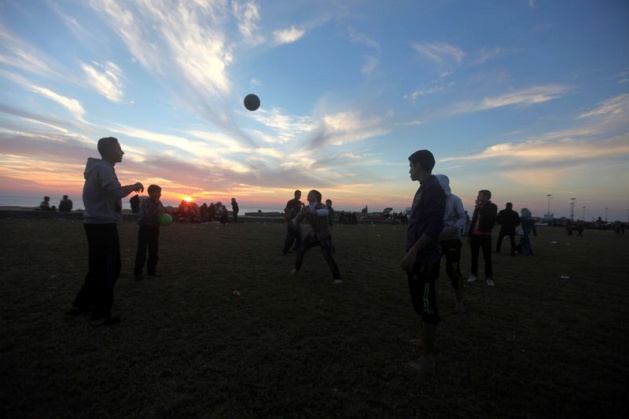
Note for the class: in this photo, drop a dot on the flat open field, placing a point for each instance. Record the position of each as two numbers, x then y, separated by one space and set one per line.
550 339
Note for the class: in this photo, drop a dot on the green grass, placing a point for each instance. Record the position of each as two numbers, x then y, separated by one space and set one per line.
535 345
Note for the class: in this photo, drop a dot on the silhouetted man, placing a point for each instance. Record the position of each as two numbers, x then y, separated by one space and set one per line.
508 219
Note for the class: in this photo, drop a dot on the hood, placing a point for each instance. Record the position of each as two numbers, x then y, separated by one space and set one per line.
525 212
444 181
93 164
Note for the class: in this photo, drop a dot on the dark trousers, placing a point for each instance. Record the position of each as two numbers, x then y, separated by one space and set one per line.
478 242
293 236
148 238
104 266
501 235
422 286
326 248
451 250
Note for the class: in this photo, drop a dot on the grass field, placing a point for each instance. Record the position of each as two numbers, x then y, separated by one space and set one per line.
535 345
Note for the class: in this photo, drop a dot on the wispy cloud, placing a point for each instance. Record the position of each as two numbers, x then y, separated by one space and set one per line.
623 77
413 97
615 106
439 53
73 105
525 97
248 15
288 36
346 127
17 53
489 54
372 60
191 34
107 81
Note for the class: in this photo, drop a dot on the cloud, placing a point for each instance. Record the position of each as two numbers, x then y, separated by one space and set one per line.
525 97
562 148
364 39
346 127
439 52
623 77
371 61
425 92
191 34
615 106
288 36
489 54
73 105
18 54
107 82
248 15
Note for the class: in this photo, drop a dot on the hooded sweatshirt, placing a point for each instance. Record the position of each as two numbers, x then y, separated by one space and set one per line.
102 193
454 218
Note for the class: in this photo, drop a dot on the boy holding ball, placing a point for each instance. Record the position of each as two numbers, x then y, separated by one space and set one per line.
148 234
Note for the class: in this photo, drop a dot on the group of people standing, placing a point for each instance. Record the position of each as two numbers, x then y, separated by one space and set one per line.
435 225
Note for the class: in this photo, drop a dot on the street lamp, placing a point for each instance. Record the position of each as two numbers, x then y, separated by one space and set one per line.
606 214
549 195
583 213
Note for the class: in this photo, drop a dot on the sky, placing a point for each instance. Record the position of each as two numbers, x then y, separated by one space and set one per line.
526 98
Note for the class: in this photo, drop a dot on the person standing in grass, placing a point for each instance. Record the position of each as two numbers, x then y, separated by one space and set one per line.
483 221
102 198
331 217
421 262
528 226
293 231
235 209
317 215
508 219
148 234
454 221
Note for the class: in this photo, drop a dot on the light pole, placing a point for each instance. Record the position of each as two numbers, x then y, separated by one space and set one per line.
606 214
549 195
583 213
572 208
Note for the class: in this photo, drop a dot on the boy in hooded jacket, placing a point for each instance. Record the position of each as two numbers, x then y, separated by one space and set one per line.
454 221
102 198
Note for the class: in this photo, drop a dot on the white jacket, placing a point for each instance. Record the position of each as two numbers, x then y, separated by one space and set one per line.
454 217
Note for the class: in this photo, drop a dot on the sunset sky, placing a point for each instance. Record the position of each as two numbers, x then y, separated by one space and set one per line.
523 97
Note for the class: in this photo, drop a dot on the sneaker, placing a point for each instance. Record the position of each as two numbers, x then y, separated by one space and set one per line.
294 272
337 281
490 282
471 279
